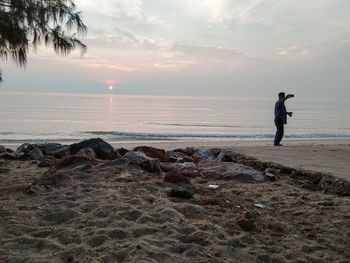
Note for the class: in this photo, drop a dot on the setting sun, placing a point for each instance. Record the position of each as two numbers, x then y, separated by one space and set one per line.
110 87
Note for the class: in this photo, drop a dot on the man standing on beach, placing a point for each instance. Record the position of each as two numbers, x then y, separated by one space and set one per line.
281 116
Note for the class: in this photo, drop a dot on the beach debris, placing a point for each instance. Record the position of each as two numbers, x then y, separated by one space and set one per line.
152 152
261 206
173 176
180 192
102 149
213 186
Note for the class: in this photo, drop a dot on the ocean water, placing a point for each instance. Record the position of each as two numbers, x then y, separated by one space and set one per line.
40 117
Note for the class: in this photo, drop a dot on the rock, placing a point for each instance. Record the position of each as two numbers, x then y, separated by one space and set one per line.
172 156
2 149
72 160
230 171
52 149
58 152
175 177
180 192
246 224
11 156
25 148
87 152
46 161
102 149
270 174
186 169
35 154
224 157
205 154
334 185
122 151
152 152
189 151
139 158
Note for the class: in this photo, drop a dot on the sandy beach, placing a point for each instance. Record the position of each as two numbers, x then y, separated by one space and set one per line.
216 206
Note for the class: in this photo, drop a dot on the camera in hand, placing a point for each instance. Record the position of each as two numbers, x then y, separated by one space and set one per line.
291 95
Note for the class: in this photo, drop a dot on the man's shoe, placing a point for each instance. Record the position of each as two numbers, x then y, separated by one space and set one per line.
278 144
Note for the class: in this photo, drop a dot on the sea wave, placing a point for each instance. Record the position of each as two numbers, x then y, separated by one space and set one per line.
179 136
119 136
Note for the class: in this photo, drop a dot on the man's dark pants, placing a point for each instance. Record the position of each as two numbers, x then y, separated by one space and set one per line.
280 130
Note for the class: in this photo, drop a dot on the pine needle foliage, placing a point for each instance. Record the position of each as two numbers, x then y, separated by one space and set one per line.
26 24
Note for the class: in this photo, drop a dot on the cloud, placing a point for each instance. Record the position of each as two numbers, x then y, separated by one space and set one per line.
295 52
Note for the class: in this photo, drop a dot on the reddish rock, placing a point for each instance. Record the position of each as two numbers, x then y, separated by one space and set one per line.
246 224
152 152
175 177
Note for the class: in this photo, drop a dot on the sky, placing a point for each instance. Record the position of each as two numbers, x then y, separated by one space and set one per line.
199 48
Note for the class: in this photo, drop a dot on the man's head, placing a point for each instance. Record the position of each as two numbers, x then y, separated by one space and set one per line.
281 95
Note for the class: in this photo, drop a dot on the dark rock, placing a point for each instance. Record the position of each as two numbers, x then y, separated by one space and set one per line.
246 224
72 160
102 149
9 150
205 154
152 152
186 169
25 148
189 151
122 151
172 156
230 171
11 156
35 154
180 192
2 149
224 157
51 149
139 158
270 174
46 161
175 177
58 152
87 152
